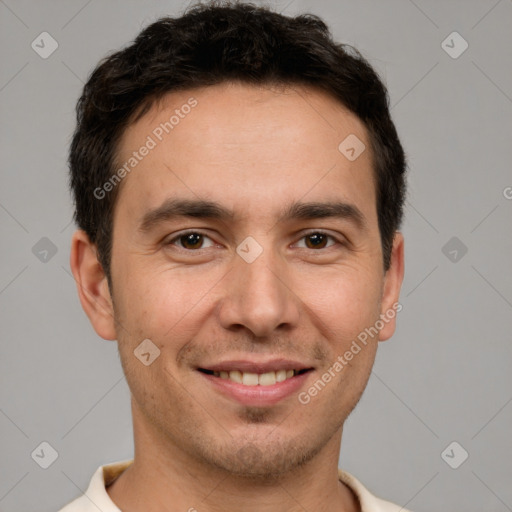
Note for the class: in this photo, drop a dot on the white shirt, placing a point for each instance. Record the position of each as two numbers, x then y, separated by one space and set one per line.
96 497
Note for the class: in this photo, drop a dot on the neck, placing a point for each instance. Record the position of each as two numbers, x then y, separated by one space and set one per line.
165 479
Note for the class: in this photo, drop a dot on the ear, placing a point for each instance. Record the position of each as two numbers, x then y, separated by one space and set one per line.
393 278
92 285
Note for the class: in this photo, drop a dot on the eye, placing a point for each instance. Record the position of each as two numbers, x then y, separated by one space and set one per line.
195 240
191 240
317 240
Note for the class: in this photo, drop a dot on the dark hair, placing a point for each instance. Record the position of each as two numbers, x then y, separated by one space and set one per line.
210 44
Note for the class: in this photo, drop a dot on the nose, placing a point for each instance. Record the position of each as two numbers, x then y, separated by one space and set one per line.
258 296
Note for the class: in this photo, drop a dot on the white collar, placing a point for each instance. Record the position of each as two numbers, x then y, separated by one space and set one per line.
96 497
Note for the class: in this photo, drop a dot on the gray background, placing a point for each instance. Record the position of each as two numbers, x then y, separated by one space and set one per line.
445 376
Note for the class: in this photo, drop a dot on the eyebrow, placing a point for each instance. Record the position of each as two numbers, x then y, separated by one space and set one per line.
204 209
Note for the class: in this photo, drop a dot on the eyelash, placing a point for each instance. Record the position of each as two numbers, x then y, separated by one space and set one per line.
198 232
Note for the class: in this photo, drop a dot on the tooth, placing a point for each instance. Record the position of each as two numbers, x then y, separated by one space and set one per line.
235 375
250 379
224 375
215 374
289 373
267 379
280 375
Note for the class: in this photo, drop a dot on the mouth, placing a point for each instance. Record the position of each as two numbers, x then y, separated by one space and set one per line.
255 379
256 385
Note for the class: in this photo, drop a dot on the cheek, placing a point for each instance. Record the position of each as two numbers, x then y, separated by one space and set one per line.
343 303
159 304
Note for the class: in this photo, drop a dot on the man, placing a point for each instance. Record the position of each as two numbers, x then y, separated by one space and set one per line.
239 187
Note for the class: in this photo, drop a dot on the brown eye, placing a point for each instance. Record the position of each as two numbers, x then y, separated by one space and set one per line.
192 240
316 240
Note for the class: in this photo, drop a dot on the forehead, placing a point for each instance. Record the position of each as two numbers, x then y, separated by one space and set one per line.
245 146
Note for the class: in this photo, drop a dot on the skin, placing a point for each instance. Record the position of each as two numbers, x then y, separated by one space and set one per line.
253 150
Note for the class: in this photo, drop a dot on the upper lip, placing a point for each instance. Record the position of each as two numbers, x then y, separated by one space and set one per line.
245 365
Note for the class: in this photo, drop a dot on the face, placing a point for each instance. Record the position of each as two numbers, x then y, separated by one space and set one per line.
246 247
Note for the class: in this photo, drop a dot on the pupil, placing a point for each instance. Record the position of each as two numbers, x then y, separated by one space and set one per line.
317 239
192 239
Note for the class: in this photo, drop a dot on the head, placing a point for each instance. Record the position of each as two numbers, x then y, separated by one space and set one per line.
221 217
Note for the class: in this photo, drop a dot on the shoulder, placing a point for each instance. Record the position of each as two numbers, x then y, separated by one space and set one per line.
369 502
96 496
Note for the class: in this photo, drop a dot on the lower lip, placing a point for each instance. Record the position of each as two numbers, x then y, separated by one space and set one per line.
258 395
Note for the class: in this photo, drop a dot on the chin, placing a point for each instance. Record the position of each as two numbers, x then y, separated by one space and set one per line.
263 460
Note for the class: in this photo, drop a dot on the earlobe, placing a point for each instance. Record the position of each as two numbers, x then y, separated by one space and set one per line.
92 285
390 305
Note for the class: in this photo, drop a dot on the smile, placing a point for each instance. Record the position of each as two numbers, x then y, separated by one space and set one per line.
256 389
255 379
